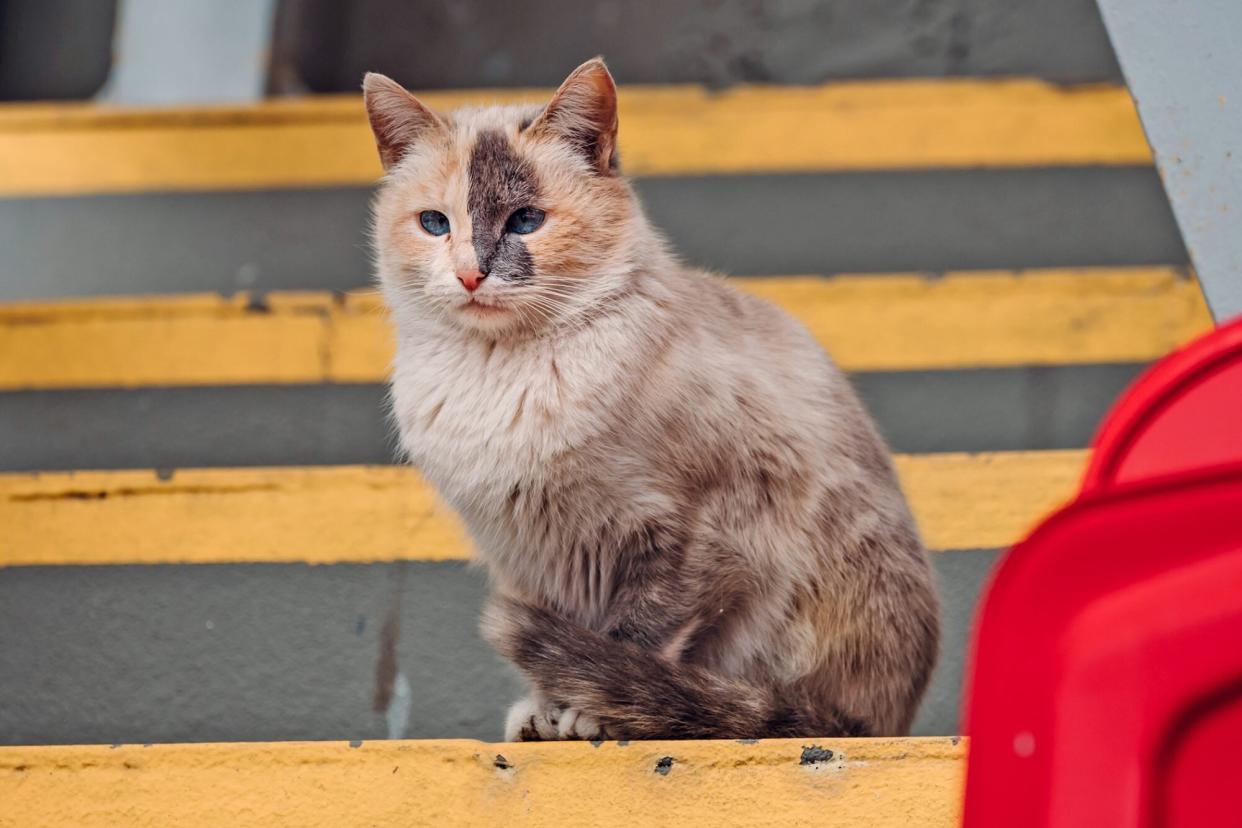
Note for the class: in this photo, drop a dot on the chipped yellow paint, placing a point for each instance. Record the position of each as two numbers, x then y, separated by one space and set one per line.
75 149
995 318
193 340
876 782
868 323
986 500
189 340
337 514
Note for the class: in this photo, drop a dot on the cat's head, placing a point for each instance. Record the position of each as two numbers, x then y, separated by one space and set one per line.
502 219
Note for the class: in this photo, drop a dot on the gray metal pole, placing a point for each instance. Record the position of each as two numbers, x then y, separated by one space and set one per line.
1183 64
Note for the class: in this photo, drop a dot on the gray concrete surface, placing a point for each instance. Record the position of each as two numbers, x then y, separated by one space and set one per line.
1193 121
268 652
326 45
919 411
272 652
760 224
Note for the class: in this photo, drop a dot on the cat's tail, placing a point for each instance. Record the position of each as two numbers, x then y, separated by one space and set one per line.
637 694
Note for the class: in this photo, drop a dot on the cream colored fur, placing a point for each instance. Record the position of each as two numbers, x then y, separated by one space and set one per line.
621 394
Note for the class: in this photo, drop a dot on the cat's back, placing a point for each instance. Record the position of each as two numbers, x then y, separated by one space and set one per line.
740 319
757 345
771 383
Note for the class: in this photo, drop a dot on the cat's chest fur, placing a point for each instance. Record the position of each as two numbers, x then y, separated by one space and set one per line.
477 416
489 423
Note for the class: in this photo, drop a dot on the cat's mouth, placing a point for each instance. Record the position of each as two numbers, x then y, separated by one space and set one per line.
473 305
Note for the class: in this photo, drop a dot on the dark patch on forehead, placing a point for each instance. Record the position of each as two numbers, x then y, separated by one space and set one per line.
500 183
500 180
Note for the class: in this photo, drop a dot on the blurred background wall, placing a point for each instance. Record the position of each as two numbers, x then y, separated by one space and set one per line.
60 49
327 45
54 49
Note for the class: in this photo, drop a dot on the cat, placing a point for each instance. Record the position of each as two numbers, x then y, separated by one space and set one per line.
691 526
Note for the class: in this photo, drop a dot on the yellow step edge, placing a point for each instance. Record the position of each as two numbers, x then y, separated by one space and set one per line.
80 149
361 514
876 782
869 323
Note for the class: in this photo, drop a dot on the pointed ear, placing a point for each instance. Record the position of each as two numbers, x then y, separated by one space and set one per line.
398 119
583 112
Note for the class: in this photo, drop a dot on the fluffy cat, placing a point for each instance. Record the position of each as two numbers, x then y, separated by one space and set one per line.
691 526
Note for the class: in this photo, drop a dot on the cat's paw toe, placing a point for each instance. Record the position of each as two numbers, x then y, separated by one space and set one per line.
530 721
574 724
519 724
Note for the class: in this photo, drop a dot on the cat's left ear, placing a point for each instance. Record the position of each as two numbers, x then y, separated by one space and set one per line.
583 112
398 119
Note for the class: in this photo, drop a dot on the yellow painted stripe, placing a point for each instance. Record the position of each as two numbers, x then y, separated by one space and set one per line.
868 323
665 130
382 513
876 782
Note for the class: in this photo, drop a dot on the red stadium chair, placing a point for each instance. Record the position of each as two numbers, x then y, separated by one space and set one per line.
1105 686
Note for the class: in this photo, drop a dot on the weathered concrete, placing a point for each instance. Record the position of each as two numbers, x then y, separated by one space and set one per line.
327 46
1193 120
744 225
880 783
1001 409
272 652
218 653
919 411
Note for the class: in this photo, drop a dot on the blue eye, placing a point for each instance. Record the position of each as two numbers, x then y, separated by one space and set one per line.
526 220
434 222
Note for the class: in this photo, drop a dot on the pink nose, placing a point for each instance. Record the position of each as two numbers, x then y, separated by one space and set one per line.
470 278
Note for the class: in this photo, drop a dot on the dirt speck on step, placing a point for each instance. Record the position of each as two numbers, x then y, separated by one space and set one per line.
815 754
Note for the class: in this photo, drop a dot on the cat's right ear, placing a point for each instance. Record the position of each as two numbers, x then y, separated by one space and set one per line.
398 119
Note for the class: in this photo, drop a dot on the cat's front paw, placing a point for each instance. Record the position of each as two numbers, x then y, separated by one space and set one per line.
574 724
530 720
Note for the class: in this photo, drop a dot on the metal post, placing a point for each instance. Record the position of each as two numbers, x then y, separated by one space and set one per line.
1184 68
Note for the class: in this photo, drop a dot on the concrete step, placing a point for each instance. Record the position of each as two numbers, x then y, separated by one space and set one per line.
894 322
1019 408
866 222
256 603
385 513
322 141
879 782
277 651
855 176
963 362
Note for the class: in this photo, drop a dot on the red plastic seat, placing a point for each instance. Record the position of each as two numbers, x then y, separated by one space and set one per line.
1106 675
